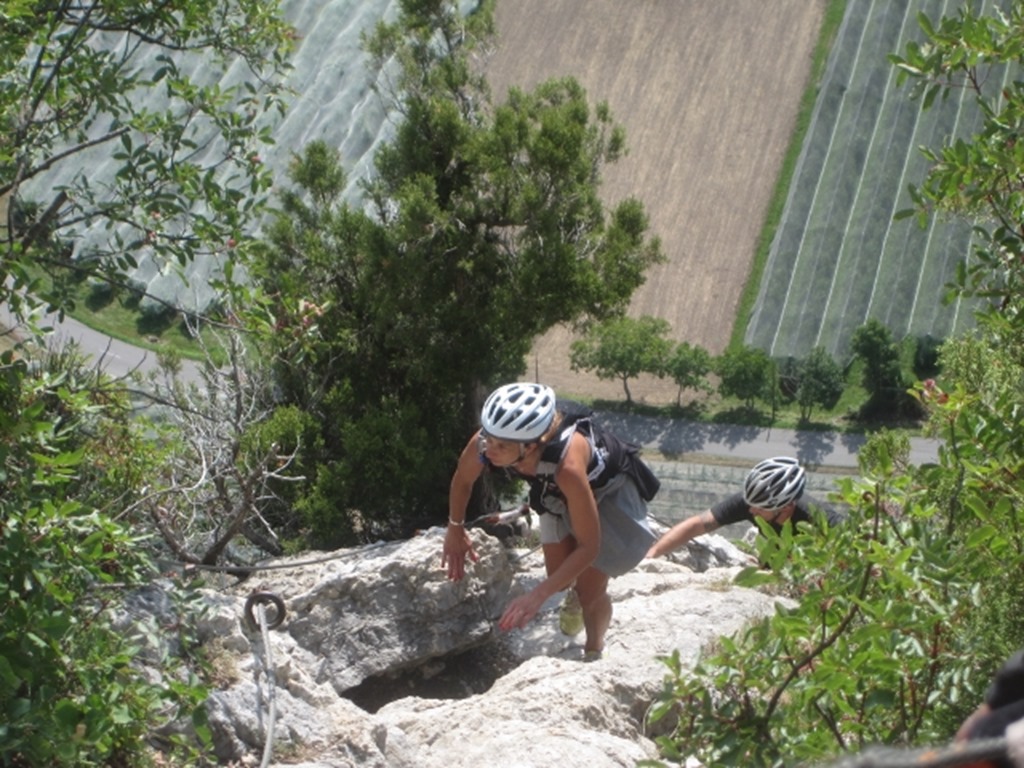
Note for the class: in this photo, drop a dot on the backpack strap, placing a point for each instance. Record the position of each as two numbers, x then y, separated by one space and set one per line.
609 455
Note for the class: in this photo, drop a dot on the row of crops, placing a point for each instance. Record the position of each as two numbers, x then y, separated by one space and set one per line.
838 257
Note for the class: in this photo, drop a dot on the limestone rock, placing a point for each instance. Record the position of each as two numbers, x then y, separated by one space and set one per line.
383 623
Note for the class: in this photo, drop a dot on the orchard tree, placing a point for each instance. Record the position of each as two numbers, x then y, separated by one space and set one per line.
689 366
746 373
622 348
481 228
882 377
79 86
821 382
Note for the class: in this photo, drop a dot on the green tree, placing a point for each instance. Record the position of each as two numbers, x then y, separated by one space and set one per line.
73 462
482 228
821 382
189 181
689 366
746 373
874 345
979 415
926 356
877 595
70 694
622 348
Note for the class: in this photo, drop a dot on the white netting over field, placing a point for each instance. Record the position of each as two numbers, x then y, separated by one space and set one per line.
838 258
332 101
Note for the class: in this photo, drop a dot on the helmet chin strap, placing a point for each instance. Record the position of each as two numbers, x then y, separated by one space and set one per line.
522 454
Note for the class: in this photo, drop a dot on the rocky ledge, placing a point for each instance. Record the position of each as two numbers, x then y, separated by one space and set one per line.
370 657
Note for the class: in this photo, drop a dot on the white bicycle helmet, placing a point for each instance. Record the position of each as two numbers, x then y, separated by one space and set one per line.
774 483
520 412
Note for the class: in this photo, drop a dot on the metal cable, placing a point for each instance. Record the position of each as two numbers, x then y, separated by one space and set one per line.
268 671
255 613
274 567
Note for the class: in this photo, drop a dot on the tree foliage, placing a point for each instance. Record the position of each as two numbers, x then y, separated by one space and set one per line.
70 458
689 365
746 373
623 348
874 346
482 229
74 461
77 85
819 381
975 177
862 656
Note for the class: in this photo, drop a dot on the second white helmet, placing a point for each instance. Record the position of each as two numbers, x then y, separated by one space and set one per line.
521 412
774 483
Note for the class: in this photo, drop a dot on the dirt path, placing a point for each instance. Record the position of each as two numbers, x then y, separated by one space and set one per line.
708 93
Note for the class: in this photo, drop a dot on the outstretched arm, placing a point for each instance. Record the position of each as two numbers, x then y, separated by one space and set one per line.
572 481
457 543
682 532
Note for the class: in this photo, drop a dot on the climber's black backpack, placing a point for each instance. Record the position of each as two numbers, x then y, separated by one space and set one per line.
620 456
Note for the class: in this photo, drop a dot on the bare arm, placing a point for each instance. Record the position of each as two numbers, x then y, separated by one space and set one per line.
683 532
457 543
586 526
582 506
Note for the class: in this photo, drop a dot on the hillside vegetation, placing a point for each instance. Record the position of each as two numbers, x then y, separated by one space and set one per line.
357 358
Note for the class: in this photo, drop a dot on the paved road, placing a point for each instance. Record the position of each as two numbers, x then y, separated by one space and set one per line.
672 438
693 441
115 358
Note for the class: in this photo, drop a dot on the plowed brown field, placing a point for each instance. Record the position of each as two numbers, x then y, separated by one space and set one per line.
708 91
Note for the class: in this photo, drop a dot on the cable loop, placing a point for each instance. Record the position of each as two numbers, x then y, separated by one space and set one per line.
263 599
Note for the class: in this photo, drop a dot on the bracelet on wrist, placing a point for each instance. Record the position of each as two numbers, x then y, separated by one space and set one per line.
459 523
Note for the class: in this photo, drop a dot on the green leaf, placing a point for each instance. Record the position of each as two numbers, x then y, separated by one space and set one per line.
980 536
68 714
8 676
